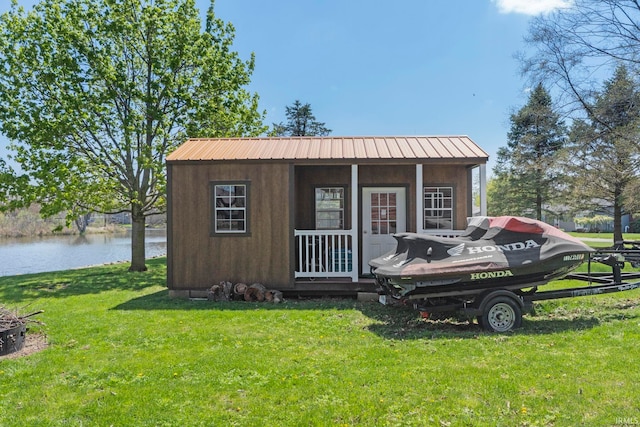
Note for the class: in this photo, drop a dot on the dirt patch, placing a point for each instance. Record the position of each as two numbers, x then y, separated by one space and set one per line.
33 343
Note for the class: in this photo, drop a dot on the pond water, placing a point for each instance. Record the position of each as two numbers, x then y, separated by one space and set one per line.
52 253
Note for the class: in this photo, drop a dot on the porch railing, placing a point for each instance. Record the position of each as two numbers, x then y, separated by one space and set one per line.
324 253
443 233
328 253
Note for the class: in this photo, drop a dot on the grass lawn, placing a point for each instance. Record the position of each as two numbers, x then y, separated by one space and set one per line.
608 236
122 353
604 240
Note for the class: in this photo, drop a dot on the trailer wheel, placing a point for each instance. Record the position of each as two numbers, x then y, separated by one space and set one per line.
501 314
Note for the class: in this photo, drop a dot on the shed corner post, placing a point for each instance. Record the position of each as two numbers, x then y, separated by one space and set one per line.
483 189
419 198
355 230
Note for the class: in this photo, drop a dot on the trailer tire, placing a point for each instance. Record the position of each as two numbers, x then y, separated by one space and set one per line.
501 314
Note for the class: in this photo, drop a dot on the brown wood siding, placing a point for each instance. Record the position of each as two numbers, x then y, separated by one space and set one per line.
307 178
199 260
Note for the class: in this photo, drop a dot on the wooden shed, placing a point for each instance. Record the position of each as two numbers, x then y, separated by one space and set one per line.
306 214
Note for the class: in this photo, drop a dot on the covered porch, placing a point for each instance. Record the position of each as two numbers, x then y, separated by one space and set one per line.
336 223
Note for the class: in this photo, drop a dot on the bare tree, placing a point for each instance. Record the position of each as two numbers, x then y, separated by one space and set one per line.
577 48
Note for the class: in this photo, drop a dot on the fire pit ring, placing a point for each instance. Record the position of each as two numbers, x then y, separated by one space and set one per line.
12 339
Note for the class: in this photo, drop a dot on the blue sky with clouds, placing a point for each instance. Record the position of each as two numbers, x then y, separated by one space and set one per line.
371 67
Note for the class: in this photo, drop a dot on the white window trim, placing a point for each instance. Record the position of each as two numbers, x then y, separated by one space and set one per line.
428 205
341 210
216 209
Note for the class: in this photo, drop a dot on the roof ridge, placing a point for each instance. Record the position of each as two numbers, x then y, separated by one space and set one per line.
356 148
327 137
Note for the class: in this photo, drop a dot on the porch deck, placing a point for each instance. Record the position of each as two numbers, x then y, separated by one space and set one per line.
306 287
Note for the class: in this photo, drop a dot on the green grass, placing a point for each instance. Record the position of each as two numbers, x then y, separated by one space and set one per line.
123 353
603 240
608 236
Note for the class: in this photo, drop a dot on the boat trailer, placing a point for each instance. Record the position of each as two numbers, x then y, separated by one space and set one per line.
500 310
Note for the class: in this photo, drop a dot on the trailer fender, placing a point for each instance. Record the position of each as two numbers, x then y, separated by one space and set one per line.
486 297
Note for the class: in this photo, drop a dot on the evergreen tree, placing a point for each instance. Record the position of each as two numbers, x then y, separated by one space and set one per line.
300 122
526 173
604 153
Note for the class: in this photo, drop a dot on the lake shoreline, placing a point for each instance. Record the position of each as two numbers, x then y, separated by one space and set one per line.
37 254
109 229
64 232
29 222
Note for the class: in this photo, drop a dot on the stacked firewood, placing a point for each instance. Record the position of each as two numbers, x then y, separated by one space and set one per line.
227 291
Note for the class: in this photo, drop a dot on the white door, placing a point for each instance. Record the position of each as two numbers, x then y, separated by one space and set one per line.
384 212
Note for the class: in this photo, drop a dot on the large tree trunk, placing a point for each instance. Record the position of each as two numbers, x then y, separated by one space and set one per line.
82 221
137 240
617 218
539 205
539 194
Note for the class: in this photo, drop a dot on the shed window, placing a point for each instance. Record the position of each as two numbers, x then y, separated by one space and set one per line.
230 204
438 208
330 208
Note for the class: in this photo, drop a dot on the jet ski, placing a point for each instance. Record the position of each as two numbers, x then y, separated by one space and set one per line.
477 226
504 252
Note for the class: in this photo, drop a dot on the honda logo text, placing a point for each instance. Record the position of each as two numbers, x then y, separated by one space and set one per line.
516 246
491 274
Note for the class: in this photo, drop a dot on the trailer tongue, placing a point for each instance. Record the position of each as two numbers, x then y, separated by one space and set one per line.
494 270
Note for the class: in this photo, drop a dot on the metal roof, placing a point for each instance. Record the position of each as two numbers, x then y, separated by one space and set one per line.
330 148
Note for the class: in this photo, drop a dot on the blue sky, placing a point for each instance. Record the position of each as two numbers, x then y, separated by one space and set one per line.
371 67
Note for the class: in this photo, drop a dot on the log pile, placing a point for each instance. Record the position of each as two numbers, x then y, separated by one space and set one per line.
226 291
